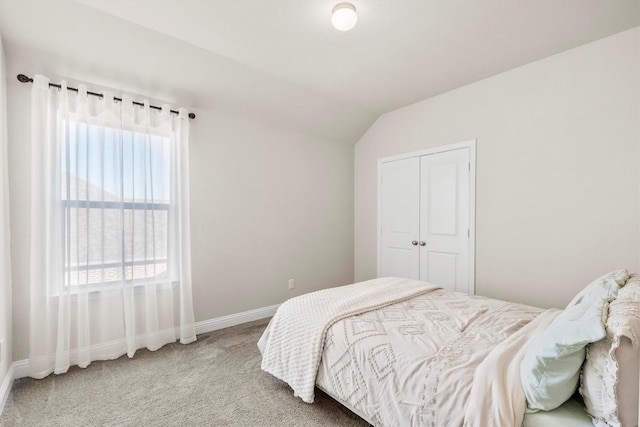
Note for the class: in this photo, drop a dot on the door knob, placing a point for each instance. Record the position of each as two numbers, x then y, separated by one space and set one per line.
423 243
414 242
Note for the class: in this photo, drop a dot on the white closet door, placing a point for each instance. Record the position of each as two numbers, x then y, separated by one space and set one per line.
399 221
444 219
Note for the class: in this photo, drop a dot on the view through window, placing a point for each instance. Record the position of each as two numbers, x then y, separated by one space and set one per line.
115 191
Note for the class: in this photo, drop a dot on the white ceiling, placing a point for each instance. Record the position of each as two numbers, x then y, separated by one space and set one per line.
281 62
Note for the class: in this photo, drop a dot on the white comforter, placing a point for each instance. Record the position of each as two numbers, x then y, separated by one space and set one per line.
292 344
439 359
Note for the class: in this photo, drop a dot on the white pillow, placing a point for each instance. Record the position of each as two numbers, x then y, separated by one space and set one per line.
606 286
550 368
609 380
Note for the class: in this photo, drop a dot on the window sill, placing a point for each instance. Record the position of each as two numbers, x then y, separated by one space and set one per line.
99 291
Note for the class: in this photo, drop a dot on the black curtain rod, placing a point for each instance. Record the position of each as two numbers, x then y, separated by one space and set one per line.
26 79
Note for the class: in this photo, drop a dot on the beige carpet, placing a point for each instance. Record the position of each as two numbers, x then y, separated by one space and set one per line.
215 381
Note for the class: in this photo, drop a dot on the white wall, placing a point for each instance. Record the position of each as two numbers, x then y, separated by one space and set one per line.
558 181
5 268
268 204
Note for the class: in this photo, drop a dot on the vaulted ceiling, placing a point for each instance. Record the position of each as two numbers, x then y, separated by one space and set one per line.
281 61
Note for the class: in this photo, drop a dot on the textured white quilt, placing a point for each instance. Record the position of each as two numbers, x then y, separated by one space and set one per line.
292 344
438 359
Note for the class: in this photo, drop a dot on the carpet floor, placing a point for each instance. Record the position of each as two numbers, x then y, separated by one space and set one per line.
215 381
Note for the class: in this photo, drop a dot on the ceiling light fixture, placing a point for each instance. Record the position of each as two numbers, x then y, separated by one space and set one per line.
343 16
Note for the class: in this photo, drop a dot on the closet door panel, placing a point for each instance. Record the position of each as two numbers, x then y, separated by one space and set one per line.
442 268
444 219
441 192
399 212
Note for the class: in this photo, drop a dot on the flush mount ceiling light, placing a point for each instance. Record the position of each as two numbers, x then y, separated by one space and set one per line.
343 16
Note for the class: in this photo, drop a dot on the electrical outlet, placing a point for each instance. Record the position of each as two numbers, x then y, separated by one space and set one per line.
292 284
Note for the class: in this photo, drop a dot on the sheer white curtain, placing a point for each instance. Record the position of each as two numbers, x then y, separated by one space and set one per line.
110 244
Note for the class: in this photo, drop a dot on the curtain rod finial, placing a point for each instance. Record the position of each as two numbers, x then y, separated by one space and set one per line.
24 79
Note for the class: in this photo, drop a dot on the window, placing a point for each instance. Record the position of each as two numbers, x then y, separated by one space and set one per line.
110 267
115 192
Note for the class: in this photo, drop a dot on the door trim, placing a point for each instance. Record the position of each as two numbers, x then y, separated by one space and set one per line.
471 145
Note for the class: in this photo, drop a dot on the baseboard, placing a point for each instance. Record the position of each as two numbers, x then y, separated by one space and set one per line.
5 389
235 319
20 369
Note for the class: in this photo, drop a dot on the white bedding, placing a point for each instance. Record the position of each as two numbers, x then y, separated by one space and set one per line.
497 397
402 352
292 344
413 362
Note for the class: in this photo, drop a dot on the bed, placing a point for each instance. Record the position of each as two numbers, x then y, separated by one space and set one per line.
400 352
